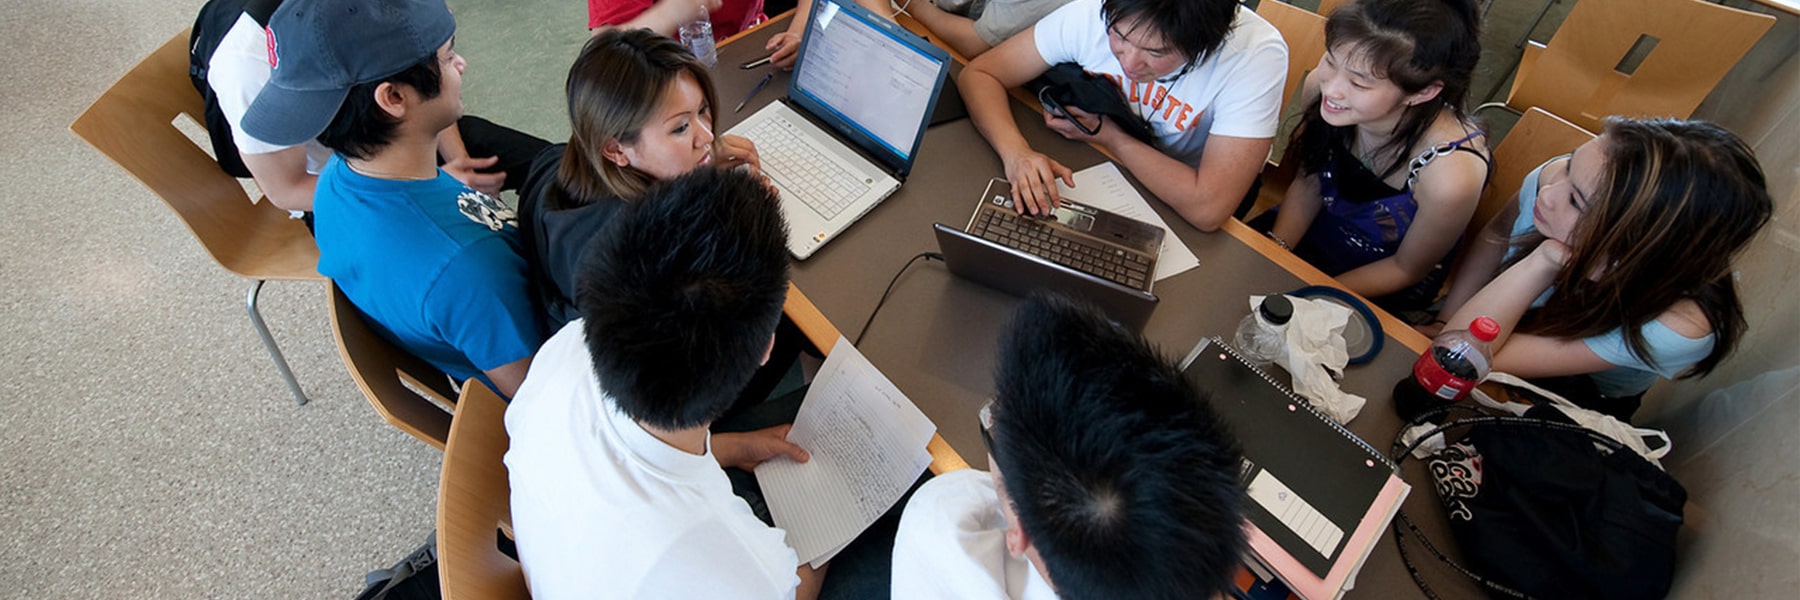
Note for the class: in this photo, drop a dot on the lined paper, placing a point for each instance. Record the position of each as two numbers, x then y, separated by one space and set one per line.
867 442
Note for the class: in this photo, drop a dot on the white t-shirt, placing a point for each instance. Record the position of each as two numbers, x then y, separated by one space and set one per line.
237 73
952 544
603 509
1235 92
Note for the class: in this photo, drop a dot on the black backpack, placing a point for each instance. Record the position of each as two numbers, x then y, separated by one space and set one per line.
216 18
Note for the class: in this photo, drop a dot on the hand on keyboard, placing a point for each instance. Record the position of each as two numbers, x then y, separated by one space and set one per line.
736 150
1033 178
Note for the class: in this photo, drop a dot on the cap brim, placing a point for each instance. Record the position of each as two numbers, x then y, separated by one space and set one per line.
289 117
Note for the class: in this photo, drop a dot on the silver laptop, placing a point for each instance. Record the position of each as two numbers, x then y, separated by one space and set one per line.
847 132
1106 258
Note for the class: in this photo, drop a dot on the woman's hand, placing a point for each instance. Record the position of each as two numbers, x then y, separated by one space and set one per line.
784 49
1551 253
1033 176
736 151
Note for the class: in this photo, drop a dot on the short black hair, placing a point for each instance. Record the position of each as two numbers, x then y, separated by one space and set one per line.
1196 28
1119 471
360 129
682 291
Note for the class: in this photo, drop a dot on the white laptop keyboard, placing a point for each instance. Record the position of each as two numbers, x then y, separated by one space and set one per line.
802 170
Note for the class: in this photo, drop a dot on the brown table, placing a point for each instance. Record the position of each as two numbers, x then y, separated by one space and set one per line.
936 335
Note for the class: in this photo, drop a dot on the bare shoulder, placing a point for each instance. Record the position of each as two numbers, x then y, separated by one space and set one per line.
1686 318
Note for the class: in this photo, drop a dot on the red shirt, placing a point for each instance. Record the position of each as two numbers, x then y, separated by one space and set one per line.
732 17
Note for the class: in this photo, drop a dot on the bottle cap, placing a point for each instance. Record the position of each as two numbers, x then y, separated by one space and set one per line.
1485 329
1277 309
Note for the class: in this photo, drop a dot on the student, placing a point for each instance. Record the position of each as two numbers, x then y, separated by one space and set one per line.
1206 74
641 110
972 27
1390 167
434 264
482 155
728 18
617 489
1618 262
1111 477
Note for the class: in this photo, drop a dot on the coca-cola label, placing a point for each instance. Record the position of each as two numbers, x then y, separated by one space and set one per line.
1439 382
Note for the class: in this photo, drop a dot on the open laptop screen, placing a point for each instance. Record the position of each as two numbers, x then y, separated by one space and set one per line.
868 76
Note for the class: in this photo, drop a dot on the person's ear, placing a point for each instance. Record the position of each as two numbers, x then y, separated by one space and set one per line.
614 153
1017 542
769 351
1425 95
391 97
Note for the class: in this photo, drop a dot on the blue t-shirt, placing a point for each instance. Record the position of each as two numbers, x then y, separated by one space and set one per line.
433 264
1673 352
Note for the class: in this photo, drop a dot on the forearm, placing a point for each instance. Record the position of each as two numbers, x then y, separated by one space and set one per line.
956 30
1506 299
811 581
283 178
991 112
1381 277
1298 209
1204 201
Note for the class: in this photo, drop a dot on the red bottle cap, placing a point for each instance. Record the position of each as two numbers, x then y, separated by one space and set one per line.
1485 329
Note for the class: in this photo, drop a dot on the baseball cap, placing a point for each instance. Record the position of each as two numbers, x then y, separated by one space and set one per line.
319 49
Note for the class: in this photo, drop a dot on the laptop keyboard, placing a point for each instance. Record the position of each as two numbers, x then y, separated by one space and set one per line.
1061 247
804 171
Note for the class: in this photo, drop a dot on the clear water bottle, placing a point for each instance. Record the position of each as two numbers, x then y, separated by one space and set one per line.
697 36
1262 335
1456 362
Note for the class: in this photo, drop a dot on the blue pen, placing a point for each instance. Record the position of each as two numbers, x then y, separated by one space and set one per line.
753 91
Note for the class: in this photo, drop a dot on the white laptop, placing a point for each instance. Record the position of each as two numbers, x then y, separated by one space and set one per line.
846 134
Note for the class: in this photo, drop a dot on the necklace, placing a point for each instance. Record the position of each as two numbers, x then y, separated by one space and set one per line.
366 172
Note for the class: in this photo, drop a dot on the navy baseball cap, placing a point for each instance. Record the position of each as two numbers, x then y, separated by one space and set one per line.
319 49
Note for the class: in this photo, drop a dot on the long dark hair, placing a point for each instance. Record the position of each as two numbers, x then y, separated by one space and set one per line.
614 87
1412 43
1677 202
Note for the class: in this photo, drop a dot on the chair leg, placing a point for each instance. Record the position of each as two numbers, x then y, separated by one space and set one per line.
262 329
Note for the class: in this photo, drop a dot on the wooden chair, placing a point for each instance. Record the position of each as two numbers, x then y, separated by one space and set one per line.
384 373
1538 137
132 123
474 498
1305 34
1576 75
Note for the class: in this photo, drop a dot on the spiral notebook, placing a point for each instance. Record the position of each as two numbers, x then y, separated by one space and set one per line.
1319 496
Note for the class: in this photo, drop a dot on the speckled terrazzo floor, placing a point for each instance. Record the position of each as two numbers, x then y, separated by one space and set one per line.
147 447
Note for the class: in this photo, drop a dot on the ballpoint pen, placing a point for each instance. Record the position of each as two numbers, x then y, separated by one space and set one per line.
756 63
753 91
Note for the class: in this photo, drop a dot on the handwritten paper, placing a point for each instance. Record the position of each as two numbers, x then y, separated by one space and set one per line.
867 442
1103 186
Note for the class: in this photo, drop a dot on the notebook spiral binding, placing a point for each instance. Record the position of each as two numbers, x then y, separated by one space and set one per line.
1293 397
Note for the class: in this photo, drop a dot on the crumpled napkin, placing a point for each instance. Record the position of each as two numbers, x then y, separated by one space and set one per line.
1315 353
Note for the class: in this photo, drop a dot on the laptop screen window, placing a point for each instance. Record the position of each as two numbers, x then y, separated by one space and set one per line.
867 77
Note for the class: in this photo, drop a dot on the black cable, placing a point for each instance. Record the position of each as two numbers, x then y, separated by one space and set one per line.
890 289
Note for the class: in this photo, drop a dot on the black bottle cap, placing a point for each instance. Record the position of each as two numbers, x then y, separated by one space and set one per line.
1277 309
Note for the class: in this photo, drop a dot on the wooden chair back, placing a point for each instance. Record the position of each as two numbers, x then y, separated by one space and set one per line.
1327 6
475 499
133 123
1304 31
1538 137
1575 76
385 372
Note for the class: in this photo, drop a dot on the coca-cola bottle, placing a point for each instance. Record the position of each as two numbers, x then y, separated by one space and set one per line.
1448 370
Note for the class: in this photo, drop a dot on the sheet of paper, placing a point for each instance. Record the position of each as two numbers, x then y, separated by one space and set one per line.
867 442
1104 186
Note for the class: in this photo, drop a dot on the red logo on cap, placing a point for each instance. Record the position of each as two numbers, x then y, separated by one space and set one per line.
274 60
